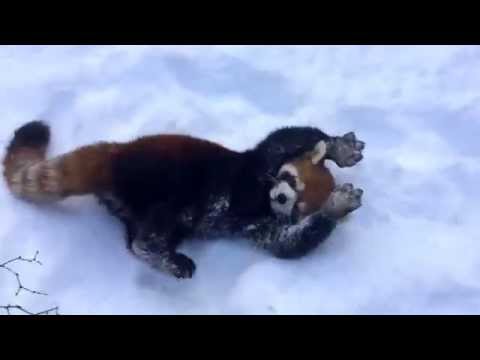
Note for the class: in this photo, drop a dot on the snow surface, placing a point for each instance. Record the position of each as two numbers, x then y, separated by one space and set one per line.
413 248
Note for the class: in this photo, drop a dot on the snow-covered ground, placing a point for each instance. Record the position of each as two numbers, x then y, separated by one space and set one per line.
414 247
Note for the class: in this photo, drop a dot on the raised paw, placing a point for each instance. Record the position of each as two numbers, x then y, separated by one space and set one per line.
181 266
343 200
346 150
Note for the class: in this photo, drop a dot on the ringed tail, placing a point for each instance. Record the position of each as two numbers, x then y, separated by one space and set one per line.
33 177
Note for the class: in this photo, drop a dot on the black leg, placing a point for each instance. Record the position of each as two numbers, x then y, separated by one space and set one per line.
156 242
289 241
119 211
130 232
154 250
287 143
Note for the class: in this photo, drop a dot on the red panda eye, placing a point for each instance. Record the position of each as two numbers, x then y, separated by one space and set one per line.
289 179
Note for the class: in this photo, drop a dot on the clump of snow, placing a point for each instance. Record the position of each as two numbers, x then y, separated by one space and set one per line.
413 248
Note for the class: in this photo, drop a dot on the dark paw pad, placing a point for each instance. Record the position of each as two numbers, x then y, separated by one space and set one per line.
182 266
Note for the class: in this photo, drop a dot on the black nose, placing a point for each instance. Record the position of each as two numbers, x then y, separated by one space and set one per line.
282 199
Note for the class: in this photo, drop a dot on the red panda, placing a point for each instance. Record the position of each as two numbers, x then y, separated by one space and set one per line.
166 186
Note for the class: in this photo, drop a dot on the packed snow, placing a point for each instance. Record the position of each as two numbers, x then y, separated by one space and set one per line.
413 248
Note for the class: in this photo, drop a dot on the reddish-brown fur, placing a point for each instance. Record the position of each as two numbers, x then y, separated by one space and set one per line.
88 169
318 181
173 146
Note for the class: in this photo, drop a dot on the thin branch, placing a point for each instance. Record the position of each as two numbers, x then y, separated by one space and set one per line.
48 311
9 308
21 258
20 286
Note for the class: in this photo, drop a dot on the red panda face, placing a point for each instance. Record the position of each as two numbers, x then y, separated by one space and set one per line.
302 185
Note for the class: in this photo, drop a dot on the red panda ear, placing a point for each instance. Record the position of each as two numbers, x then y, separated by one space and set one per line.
319 152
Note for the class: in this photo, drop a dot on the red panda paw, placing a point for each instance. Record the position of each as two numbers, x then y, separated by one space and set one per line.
346 150
181 266
343 200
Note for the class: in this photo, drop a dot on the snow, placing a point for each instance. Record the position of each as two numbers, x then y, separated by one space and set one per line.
413 248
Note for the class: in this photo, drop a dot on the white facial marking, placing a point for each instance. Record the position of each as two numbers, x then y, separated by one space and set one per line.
319 152
290 169
290 194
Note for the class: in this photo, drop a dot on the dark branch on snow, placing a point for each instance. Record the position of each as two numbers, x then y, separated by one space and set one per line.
8 308
20 286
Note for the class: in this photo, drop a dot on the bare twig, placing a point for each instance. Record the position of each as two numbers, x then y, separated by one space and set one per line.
48 311
8 308
20 286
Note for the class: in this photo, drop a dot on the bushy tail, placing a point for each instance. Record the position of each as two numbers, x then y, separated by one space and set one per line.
24 163
32 177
